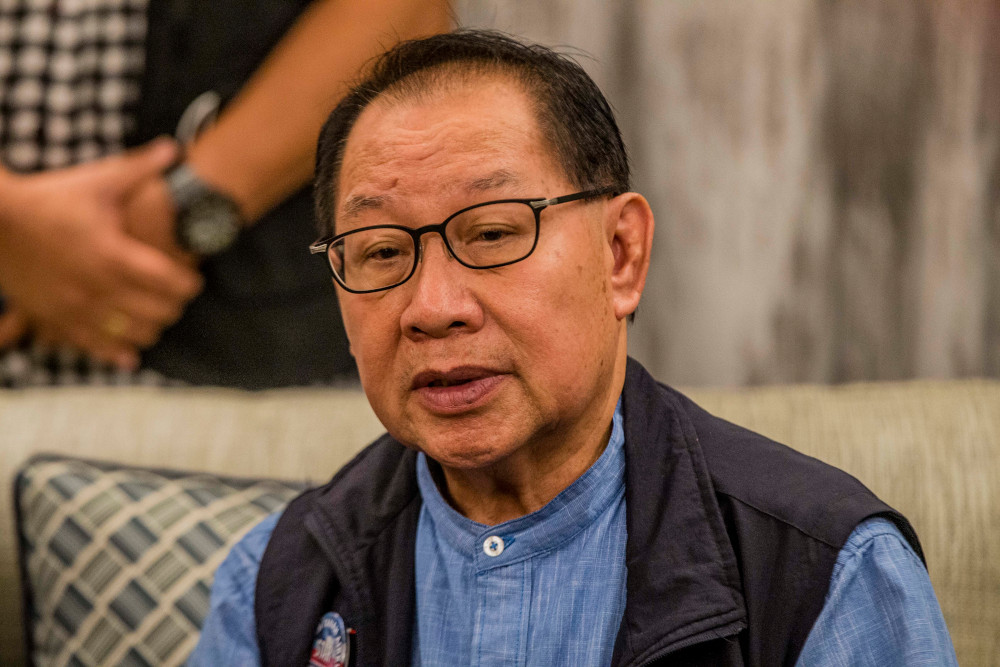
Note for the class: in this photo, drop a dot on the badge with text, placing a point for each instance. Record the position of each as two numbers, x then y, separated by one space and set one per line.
331 647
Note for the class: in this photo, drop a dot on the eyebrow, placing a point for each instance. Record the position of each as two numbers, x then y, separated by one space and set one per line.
500 178
358 203
497 179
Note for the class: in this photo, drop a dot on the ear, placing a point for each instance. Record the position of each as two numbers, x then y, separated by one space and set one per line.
629 229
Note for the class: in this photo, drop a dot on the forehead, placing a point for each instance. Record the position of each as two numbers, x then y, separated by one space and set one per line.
481 135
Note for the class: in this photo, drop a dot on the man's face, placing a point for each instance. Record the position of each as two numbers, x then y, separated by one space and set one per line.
473 366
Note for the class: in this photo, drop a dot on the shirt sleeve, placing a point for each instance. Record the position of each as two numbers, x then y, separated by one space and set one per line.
229 634
880 609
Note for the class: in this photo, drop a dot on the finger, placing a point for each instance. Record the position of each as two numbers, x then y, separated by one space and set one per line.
150 217
128 169
99 346
143 267
134 316
70 304
149 307
86 340
119 326
126 312
13 326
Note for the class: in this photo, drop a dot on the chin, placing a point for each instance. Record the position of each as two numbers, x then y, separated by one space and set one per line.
463 462
467 455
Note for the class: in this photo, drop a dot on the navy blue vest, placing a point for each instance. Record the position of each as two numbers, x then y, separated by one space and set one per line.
731 542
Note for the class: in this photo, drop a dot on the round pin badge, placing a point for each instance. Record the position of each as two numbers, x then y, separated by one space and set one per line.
331 647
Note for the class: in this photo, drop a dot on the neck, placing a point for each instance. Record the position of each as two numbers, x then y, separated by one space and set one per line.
512 489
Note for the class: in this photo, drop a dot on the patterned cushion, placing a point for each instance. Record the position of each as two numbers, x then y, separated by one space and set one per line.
117 562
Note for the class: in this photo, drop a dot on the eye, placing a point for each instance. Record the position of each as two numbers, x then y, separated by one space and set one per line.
485 234
376 248
383 253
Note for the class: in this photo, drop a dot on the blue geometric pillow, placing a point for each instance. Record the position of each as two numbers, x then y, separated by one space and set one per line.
117 562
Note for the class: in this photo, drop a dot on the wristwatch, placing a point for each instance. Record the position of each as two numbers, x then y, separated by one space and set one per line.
208 221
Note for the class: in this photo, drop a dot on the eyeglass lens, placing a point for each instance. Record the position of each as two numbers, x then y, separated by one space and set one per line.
481 237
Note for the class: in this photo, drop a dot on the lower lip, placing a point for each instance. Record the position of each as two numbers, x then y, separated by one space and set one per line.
459 397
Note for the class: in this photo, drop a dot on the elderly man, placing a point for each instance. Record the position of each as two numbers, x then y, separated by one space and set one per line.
539 498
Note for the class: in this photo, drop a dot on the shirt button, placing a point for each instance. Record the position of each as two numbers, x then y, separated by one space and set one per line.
493 546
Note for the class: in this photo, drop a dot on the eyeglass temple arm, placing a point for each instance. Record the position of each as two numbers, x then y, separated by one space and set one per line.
586 194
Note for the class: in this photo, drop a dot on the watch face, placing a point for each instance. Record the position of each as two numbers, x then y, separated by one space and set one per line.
209 226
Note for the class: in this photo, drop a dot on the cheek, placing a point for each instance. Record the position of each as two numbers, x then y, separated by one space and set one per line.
561 314
578 291
371 333
374 349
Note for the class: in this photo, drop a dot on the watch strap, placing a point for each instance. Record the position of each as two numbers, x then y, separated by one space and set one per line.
186 187
208 220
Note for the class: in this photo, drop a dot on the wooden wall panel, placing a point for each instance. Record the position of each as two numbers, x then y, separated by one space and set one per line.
824 176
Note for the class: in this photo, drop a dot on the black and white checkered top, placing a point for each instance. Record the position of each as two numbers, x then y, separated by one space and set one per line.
70 72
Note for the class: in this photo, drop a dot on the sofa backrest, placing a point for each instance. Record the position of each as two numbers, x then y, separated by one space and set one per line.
930 449
297 435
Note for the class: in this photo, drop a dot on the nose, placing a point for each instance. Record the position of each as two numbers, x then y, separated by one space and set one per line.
441 302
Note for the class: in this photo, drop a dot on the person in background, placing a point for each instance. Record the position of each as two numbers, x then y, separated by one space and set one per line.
184 260
540 499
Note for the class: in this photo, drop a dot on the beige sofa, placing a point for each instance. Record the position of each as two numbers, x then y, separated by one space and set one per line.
931 449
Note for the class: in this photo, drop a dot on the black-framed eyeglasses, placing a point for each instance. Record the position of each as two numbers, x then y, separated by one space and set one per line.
482 236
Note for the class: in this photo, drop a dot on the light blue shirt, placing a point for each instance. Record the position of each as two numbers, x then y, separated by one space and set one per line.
880 609
555 594
547 588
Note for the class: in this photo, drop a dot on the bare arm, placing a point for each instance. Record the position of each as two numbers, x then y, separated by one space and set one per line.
262 148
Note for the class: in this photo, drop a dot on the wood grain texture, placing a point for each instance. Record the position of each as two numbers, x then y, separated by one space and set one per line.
825 178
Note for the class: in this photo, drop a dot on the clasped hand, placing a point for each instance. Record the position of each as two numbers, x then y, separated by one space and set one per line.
88 257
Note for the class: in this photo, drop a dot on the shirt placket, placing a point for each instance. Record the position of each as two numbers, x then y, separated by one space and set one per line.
502 594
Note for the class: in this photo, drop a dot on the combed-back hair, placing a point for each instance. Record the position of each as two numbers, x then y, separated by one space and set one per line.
572 112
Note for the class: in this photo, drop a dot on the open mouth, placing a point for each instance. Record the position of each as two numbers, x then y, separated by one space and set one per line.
447 383
452 392
453 378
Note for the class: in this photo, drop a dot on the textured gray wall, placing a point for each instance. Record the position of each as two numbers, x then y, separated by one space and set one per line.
825 177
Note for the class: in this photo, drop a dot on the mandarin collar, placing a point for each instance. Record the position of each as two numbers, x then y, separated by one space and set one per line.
575 508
